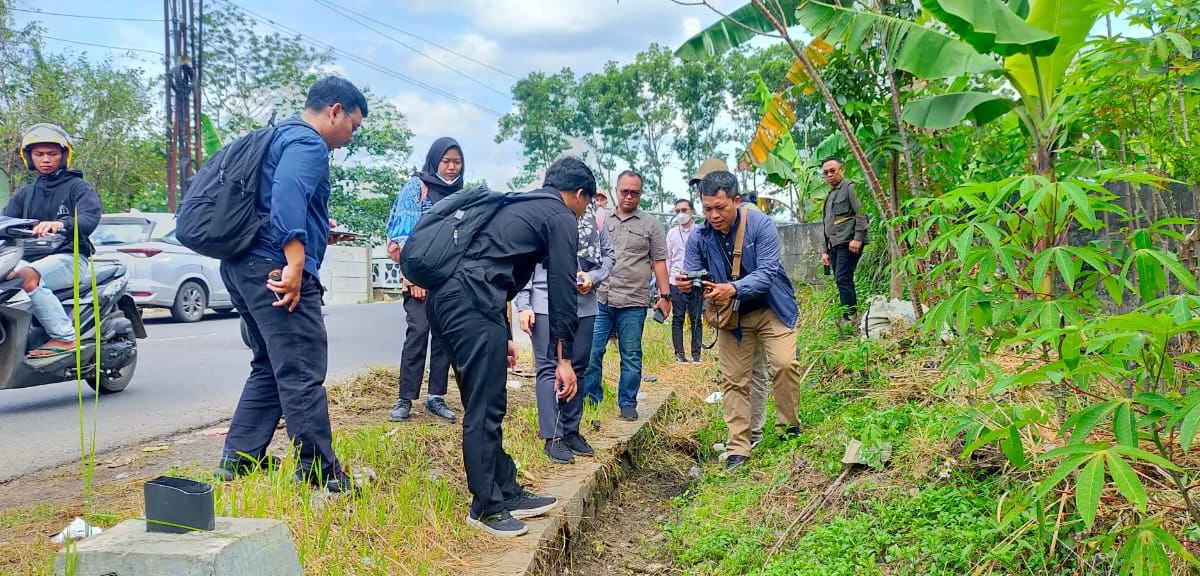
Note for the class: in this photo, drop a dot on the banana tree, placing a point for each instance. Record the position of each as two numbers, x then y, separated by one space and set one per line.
759 19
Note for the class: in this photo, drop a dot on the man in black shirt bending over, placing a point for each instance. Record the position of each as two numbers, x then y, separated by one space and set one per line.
470 314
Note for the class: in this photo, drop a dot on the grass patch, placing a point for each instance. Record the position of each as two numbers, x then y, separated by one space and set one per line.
919 514
412 520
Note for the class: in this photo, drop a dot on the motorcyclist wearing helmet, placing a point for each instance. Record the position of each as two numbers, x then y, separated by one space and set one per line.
58 198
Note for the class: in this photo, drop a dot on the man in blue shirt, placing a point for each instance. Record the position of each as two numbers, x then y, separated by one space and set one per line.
276 288
764 301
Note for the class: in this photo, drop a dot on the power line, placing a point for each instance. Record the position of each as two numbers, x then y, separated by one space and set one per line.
426 40
339 10
86 17
363 61
101 45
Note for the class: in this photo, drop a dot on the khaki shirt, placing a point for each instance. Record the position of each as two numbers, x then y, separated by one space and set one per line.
639 240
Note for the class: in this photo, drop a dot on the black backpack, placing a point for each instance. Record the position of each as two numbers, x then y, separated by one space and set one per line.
434 250
218 216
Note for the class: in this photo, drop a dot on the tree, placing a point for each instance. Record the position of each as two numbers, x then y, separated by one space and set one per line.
652 73
544 114
248 75
700 95
606 118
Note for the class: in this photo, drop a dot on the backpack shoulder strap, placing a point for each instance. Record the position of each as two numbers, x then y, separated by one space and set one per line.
737 242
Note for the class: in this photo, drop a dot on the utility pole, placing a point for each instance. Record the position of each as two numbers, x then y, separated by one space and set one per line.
183 36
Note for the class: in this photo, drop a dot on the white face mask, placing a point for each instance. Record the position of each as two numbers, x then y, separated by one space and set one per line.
448 182
681 219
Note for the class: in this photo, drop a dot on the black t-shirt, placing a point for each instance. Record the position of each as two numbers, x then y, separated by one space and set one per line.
727 241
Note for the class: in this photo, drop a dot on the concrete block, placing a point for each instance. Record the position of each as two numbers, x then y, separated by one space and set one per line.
348 254
342 269
239 546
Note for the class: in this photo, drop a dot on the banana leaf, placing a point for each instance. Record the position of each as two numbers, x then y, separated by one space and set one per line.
991 26
209 136
949 110
1070 22
923 52
731 32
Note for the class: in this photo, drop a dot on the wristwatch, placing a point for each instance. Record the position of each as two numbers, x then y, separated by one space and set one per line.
665 296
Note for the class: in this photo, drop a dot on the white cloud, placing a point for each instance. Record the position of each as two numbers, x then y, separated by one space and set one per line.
472 45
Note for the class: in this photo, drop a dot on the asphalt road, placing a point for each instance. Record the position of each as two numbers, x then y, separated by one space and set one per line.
188 376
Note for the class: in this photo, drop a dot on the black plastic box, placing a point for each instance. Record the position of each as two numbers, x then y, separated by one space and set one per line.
179 505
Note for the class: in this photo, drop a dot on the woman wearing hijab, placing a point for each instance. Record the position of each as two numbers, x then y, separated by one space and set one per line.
558 422
441 177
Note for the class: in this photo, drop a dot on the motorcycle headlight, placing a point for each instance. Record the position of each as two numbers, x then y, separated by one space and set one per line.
116 288
10 256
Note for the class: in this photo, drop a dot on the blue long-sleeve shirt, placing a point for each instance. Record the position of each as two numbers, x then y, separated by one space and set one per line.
762 259
293 190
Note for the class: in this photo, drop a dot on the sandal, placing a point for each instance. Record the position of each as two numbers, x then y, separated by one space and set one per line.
53 352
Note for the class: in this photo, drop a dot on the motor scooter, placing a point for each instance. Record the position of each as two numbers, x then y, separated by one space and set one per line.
120 323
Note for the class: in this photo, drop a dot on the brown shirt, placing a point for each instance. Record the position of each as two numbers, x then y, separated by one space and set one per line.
639 240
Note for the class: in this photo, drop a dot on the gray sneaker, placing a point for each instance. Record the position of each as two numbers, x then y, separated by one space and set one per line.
436 406
528 505
402 410
558 452
629 413
502 524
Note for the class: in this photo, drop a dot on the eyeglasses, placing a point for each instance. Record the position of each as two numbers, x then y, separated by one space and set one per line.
630 193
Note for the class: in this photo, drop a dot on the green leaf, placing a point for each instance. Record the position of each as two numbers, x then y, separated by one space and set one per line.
990 26
1069 350
1087 419
729 33
1082 203
1019 7
982 441
209 136
1127 481
1070 22
1189 427
1123 425
1066 267
1177 269
1169 541
1144 455
1115 286
1064 468
1070 450
949 110
1088 489
1150 275
1012 447
910 43
1157 402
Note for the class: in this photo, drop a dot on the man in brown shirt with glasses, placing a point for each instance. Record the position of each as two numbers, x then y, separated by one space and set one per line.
641 246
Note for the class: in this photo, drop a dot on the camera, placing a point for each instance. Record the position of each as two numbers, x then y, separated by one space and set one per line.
697 278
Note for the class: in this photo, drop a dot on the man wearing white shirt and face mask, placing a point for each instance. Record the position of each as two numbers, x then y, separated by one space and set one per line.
686 305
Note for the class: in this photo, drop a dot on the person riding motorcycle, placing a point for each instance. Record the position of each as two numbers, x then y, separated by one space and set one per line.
59 199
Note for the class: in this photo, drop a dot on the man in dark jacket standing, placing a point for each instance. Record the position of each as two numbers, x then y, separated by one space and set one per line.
470 314
57 199
845 234
276 288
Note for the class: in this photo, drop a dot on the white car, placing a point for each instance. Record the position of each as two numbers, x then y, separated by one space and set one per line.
162 272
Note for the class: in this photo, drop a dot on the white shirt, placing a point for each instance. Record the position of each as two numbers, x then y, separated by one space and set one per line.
677 239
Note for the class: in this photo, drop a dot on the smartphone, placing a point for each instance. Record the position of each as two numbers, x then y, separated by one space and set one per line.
659 316
827 270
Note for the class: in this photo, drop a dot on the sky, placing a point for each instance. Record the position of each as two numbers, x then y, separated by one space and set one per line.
503 39
510 38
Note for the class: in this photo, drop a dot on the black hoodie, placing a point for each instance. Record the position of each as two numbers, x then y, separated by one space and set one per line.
60 196
429 174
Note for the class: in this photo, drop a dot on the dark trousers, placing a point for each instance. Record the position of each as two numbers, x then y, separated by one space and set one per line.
287 371
558 418
844 263
689 305
476 341
412 359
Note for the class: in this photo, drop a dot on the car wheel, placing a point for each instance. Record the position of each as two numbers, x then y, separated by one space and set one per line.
245 334
190 302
